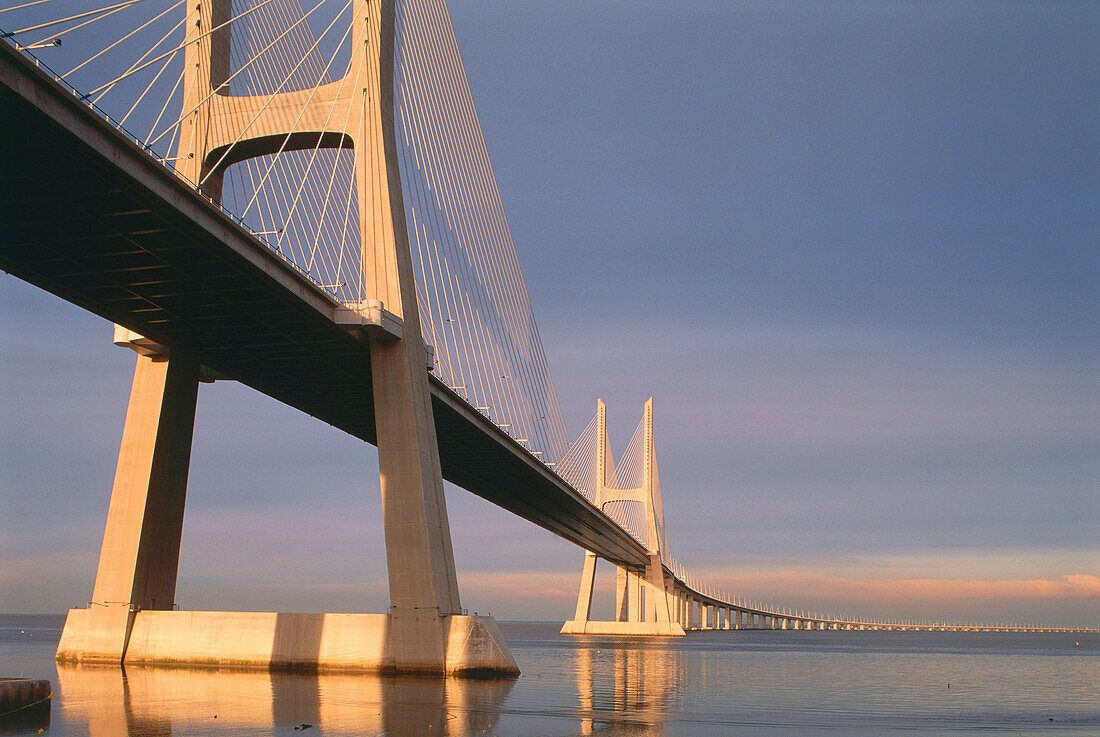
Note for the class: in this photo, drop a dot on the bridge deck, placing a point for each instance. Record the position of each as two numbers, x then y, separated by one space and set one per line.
88 215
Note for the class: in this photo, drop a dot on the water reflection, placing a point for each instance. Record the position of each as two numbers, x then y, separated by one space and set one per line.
29 720
626 690
619 690
721 683
155 701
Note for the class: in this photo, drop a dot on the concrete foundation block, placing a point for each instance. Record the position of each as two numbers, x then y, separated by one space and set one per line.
639 629
464 646
96 635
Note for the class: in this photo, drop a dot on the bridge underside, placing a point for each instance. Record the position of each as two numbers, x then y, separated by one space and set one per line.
90 217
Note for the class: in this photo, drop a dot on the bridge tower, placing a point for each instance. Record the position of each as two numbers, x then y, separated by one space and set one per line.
134 593
632 587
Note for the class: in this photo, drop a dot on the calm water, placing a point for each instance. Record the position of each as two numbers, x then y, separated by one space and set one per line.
717 683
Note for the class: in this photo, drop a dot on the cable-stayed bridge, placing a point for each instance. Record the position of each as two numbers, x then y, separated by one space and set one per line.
298 197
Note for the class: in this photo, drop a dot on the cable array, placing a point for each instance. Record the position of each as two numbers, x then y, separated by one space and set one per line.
628 473
475 308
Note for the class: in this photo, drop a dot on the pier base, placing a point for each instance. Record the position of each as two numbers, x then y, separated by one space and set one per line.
473 645
641 629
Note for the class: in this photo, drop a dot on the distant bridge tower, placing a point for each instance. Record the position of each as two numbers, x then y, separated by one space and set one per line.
424 630
632 587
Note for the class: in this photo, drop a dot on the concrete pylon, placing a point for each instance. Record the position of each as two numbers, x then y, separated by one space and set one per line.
658 617
622 595
425 630
634 603
141 542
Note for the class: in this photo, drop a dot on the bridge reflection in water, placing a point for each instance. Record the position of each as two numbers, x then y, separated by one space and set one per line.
611 690
631 688
110 701
713 683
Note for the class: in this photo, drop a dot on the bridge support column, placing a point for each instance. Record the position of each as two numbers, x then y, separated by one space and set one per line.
579 624
622 595
139 558
657 598
634 609
422 580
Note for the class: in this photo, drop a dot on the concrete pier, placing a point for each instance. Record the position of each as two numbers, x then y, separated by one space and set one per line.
473 646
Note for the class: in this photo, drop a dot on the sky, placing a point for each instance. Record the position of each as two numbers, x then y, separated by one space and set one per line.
849 248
